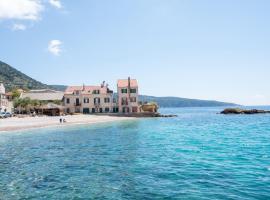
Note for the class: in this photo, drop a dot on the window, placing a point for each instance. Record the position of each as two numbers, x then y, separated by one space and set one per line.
133 90
124 90
96 100
86 110
67 111
106 100
125 109
96 92
86 100
124 101
133 99
67 100
77 92
77 102
107 109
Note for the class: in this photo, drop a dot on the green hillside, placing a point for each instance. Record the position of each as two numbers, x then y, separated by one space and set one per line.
13 78
183 102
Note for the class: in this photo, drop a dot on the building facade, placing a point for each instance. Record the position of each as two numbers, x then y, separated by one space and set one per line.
89 99
128 95
5 106
100 99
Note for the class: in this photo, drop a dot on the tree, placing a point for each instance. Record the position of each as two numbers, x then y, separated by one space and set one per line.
22 104
15 94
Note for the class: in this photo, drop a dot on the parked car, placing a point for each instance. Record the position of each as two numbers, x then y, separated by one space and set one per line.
5 114
2 114
8 114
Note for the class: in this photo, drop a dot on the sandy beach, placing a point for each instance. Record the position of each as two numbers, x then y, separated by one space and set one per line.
15 123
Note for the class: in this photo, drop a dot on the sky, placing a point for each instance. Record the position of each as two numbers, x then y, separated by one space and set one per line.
203 49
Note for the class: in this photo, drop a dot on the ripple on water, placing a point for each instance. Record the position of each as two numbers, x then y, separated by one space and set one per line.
198 155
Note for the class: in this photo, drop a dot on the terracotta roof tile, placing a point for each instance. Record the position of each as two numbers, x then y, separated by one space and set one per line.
86 89
124 83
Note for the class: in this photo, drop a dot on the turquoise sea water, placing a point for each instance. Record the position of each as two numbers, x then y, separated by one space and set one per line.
198 155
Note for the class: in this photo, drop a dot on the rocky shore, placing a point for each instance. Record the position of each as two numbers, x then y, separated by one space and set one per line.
139 115
243 111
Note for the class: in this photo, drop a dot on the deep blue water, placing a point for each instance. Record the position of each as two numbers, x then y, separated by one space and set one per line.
198 155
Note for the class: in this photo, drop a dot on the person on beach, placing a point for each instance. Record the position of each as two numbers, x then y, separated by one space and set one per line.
60 120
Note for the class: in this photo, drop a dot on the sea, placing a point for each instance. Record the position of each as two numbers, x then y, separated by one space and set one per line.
199 154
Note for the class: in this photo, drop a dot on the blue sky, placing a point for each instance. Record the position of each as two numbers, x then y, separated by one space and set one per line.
203 49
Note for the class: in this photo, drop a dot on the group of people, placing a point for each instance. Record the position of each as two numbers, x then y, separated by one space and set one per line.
62 120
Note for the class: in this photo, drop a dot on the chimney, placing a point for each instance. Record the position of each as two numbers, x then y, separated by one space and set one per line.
102 84
128 82
129 87
83 87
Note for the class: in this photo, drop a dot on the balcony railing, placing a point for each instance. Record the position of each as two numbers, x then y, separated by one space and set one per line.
77 104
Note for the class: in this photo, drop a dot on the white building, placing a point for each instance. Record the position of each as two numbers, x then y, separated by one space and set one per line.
100 99
128 95
4 103
89 99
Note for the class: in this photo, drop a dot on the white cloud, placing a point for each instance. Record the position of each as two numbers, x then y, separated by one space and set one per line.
56 3
20 9
18 27
54 47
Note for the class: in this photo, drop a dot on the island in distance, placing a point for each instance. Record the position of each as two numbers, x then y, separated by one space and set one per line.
243 111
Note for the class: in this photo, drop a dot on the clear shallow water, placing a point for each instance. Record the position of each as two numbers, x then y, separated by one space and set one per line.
198 155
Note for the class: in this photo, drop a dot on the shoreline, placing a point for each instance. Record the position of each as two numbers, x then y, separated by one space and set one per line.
28 123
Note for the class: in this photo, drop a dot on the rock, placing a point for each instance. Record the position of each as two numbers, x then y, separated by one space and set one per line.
242 111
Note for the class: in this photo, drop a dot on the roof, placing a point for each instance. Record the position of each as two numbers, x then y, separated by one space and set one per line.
51 106
43 95
124 83
86 89
43 91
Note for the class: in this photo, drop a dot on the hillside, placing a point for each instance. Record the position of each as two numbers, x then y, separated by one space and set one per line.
13 78
183 102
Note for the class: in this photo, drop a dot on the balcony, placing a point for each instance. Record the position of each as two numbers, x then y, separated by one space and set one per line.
77 104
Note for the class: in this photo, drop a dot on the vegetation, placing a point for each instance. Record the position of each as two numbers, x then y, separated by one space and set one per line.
59 87
26 104
182 102
15 94
14 79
